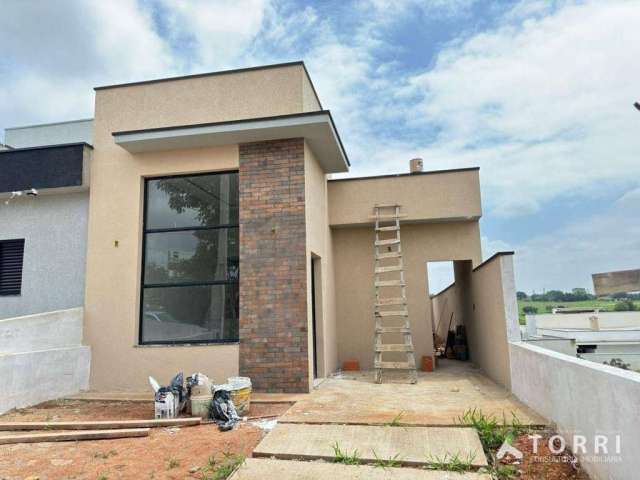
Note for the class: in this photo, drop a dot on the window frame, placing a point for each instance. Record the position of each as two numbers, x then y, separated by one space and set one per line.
145 231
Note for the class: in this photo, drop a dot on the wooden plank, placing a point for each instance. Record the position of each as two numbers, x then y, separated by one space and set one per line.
74 436
383 302
390 347
101 424
390 283
395 365
388 229
391 241
393 268
398 313
393 330
381 256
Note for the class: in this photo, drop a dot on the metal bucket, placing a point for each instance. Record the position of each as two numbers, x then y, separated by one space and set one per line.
240 393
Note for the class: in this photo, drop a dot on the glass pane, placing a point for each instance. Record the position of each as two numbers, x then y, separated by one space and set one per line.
191 256
190 314
201 200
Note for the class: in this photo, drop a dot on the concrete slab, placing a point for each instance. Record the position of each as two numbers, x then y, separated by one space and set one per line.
260 469
408 445
438 398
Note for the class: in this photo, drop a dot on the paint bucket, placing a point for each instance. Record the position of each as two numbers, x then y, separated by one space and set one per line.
199 405
240 393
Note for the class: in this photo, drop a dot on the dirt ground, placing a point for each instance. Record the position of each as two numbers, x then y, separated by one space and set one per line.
165 454
544 465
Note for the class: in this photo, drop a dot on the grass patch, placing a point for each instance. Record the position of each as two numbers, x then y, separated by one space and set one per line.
172 463
451 463
345 457
390 463
492 433
220 470
395 422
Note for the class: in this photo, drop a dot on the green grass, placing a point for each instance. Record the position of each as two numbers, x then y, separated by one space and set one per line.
345 457
546 307
451 463
220 470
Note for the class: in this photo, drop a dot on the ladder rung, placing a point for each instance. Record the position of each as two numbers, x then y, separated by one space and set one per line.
395 365
388 229
380 256
400 347
393 330
386 205
383 302
394 268
390 283
394 313
392 216
392 241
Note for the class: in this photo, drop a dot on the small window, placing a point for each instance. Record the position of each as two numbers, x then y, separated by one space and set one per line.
11 256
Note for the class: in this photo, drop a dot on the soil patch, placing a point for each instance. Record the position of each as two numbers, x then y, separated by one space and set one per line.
168 453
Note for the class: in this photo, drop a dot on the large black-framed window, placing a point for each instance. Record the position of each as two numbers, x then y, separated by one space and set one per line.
190 267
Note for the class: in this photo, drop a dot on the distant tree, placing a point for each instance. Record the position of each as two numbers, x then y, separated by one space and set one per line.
618 295
555 296
530 310
521 295
617 362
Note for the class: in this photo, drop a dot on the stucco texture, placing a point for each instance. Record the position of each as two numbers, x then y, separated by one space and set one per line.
354 278
117 178
55 231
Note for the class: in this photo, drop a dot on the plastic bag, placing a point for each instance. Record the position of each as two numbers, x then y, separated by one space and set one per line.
223 411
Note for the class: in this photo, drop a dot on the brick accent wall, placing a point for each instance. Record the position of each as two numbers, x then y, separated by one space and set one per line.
273 300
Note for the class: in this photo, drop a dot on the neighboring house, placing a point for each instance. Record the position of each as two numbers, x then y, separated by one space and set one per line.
217 241
43 232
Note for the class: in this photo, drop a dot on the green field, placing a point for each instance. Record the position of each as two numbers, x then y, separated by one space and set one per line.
546 307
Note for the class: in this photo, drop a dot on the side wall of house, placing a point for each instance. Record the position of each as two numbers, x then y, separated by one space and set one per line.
274 347
54 228
320 250
354 265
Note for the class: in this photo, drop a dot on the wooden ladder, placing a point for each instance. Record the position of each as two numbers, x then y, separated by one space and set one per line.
390 309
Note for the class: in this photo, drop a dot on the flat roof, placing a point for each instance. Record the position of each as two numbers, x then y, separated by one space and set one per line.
219 72
317 128
392 175
50 124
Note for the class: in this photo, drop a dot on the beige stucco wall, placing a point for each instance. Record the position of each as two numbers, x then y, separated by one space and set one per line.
112 293
206 99
320 244
482 299
433 196
354 265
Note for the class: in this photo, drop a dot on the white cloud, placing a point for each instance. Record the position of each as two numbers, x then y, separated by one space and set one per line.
542 105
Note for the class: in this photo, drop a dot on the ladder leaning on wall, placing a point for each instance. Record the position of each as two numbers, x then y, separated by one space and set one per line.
390 309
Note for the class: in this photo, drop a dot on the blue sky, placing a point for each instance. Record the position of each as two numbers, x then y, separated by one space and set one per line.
537 93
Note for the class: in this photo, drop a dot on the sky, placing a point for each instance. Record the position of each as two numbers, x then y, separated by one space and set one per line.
538 94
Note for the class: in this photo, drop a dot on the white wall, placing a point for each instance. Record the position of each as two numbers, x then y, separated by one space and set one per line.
55 231
41 358
582 398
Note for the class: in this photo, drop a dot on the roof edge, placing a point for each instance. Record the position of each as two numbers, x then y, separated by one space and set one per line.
43 147
416 174
50 124
206 74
